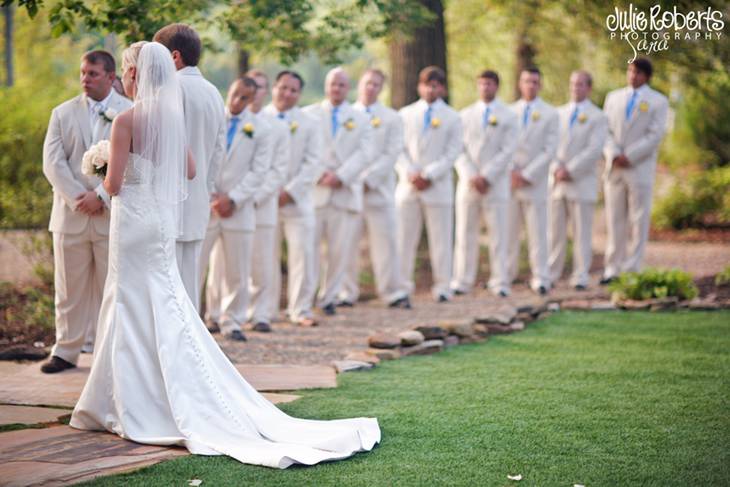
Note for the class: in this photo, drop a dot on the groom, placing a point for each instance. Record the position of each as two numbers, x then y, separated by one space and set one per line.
80 217
206 136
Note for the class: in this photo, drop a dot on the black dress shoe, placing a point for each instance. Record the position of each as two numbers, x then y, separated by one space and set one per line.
580 287
459 292
212 326
56 364
329 309
605 281
442 299
402 303
236 336
502 294
262 327
345 304
542 291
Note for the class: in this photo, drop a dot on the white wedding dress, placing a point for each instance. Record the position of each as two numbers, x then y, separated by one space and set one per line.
159 378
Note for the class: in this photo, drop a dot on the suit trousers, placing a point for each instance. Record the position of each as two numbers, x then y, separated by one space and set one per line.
532 215
439 229
188 262
578 215
263 300
80 264
333 245
214 283
380 224
299 234
236 248
628 215
469 212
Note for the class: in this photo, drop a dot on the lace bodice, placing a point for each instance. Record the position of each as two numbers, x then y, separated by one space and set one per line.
139 170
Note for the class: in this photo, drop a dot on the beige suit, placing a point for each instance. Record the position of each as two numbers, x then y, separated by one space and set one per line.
263 297
573 202
431 151
629 191
378 215
296 219
80 242
347 154
489 144
205 129
240 177
537 143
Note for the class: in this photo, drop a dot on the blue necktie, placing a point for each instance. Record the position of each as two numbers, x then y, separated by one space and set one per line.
574 116
427 119
232 131
526 115
367 109
281 115
334 120
485 118
630 106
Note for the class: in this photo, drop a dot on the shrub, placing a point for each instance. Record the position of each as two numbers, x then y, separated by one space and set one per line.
702 200
654 283
723 278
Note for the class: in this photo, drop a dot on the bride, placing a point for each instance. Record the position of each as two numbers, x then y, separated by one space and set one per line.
158 377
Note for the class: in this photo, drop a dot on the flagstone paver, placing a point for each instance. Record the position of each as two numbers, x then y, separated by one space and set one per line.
12 414
62 455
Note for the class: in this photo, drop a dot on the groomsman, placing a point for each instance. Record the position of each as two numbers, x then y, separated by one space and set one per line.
637 118
483 191
263 300
296 207
347 137
433 141
537 143
79 217
574 180
379 199
232 219
206 137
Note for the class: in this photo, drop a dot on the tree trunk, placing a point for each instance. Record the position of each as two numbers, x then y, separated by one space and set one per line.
408 56
243 61
525 56
8 14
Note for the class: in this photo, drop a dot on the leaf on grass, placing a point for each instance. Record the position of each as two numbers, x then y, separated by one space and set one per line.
195 482
517 477
578 485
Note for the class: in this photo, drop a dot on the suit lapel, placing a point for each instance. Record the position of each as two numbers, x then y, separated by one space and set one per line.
81 115
239 135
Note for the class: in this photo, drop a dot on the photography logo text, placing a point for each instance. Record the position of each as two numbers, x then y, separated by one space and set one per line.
655 30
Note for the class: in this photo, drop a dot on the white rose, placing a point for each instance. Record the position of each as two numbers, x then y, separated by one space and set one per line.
95 158
110 113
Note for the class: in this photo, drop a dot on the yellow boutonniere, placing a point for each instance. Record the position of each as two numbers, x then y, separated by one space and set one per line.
375 122
435 123
535 116
349 124
248 130
582 118
492 120
293 126
643 107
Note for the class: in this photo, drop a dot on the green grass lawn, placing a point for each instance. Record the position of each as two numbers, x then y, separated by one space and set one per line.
581 398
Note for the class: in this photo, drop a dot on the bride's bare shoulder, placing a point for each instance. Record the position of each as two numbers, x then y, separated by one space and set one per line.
124 119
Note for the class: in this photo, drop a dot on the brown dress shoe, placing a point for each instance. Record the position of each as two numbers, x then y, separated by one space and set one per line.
56 364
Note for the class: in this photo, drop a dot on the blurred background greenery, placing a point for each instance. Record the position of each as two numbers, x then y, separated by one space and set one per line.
464 36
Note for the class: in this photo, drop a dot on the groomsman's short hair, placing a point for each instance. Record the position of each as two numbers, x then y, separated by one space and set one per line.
293 74
490 74
533 70
644 65
101 57
432 73
585 74
183 39
251 73
377 72
246 80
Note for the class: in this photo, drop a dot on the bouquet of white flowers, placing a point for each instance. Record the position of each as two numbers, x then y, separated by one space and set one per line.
95 159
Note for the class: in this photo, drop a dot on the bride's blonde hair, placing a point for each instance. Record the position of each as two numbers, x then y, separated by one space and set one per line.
131 54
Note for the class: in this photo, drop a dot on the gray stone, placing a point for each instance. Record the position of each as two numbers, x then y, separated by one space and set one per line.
603 305
473 339
502 315
460 328
451 341
517 326
431 332
384 340
351 366
525 317
576 305
383 354
480 329
426 348
360 356
704 305
410 338
553 306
